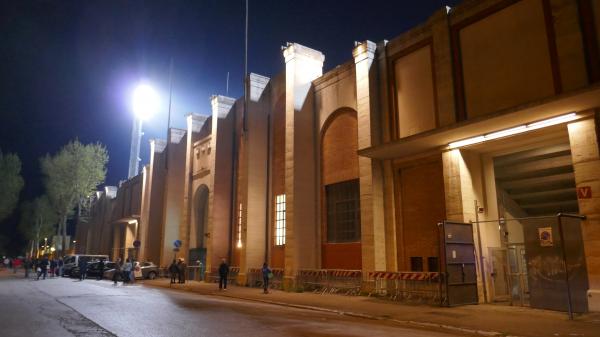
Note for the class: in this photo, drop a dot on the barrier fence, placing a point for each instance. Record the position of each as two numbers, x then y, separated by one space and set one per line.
213 276
255 278
331 281
407 286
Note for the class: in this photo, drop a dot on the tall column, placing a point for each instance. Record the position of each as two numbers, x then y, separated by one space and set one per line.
586 162
219 187
194 124
142 232
302 66
373 238
253 189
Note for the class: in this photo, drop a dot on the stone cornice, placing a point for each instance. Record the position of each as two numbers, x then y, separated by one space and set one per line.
295 50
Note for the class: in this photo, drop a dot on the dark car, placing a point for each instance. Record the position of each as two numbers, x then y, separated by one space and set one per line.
148 271
92 269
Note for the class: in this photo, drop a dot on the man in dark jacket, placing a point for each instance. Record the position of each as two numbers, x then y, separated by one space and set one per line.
118 270
43 265
100 269
181 267
174 271
223 271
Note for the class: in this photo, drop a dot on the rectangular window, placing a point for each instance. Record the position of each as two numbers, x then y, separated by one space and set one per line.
239 228
432 264
280 220
343 211
416 263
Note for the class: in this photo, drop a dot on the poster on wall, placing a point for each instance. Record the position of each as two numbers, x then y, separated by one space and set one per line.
545 236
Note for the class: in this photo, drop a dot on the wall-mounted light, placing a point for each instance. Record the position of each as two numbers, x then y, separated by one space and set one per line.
514 130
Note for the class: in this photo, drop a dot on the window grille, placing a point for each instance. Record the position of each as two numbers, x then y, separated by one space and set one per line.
280 220
343 211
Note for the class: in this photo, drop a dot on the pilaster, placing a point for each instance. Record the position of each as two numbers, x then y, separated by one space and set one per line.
302 66
373 229
219 195
253 192
194 125
586 162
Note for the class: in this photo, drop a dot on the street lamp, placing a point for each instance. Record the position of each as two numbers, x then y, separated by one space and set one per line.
145 104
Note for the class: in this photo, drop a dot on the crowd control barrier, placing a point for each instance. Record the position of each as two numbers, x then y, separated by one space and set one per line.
407 286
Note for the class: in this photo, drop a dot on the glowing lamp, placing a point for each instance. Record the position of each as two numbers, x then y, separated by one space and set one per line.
145 101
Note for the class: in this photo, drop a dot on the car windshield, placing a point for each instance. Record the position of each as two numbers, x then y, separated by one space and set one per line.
147 264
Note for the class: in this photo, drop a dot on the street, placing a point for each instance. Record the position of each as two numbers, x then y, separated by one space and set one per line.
68 307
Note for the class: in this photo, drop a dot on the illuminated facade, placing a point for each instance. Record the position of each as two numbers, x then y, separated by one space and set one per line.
487 111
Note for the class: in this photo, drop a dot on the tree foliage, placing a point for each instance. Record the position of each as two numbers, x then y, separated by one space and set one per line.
11 183
71 175
38 219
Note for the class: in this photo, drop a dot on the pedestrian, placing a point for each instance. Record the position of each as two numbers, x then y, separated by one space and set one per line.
223 272
53 266
181 268
82 269
117 273
16 265
132 271
174 271
27 266
43 268
60 267
100 270
127 271
266 274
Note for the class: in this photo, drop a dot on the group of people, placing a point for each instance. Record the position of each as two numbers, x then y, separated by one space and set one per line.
41 266
177 271
127 271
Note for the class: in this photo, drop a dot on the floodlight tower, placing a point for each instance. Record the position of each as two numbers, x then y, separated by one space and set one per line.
145 104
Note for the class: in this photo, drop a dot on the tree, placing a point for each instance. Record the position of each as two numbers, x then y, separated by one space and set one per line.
38 220
11 183
72 175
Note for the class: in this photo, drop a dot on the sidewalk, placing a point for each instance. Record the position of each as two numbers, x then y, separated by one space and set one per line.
484 319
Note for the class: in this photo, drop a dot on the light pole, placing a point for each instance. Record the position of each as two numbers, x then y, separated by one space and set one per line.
145 103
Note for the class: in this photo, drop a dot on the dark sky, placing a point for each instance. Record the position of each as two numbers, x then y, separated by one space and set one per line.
67 68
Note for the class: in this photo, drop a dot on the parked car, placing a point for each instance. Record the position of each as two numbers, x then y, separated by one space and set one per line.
149 271
72 261
92 269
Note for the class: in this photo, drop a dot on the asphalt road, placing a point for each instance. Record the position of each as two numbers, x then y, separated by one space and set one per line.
66 307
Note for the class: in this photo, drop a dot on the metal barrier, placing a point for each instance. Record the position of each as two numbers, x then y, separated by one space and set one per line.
312 279
331 281
213 276
407 286
255 278
195 273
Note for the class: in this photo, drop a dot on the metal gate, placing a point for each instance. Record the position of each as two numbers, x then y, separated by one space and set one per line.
458 256
546 268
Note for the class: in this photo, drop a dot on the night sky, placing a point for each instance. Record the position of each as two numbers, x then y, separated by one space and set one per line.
68 68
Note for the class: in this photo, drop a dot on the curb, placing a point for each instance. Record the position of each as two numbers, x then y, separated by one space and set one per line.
353 314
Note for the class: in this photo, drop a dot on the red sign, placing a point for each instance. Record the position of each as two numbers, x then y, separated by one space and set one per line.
584 192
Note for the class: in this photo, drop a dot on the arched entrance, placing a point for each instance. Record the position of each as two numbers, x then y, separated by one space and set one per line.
197 254
201 215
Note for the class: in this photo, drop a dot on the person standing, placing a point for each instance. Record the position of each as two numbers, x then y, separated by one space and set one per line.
266 274
132 271
223 272
127 271
117 272
43 268
27 266
53 266
174 271
181 267
82 269
100 270
60 267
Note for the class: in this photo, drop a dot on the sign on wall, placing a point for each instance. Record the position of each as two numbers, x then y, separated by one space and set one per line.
545 236
584 192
